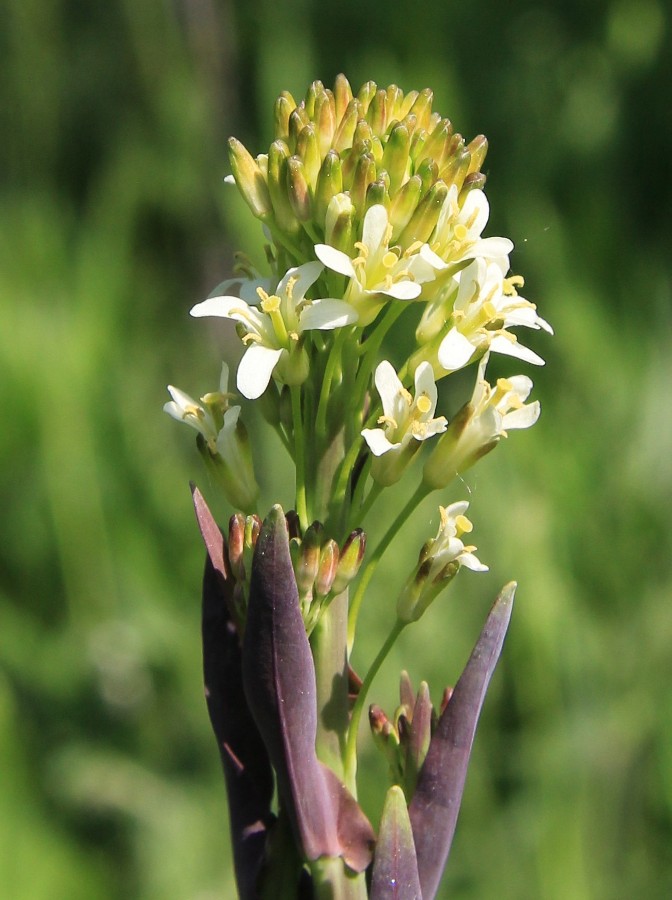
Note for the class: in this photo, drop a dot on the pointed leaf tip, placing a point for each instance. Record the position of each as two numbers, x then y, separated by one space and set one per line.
438 794
395 867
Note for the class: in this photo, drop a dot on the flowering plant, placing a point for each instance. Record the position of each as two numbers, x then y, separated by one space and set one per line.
374 209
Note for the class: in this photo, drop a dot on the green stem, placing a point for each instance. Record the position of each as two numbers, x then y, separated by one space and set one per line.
385 541
334 357
351 746
332 881
361 510
299 458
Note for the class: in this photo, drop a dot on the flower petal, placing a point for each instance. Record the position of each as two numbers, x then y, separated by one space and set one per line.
304 277
326 314
378 443
455 351
502 344
524 417
219 306
374 227
389 387
335 260
401 290
255 369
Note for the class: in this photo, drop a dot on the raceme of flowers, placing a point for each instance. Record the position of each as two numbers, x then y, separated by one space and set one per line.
379 284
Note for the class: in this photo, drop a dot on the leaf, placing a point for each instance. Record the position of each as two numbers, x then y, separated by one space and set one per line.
247 770
438 793
395 867
279 679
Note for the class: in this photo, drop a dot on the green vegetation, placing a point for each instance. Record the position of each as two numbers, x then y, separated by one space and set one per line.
115 221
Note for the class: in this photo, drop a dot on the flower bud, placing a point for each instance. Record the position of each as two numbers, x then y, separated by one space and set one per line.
237 545
403 205
422 108
425 217
437 144
396 156
478 148
297 122
350 560
377 193
282 110
345 130
325 121
308 562
329 184
307 148
250 180
366 94
395 99
342 95
338 223
298 189
365 174
418 141
326 572
315 90
456 169
428 171
473 181
376 115
278 155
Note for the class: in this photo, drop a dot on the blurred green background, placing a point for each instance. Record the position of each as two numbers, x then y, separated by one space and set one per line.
115 221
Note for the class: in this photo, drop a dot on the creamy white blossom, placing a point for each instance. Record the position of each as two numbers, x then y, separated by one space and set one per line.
379 271
204 417
480 425
273 329
440 560
485 306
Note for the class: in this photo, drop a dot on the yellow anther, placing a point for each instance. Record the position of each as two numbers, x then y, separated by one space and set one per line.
194 411
413 249
423 404
463 526
460 232
406 395
251 338
363 249
290 286
511 283
387 420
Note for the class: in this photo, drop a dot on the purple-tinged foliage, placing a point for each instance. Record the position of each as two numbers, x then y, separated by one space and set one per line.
248 774
279 679
395 867
438 793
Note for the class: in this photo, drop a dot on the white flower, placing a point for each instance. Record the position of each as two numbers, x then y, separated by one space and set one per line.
273 331
457 235
202 416
441 558
480 425
485 306
379 271
406 421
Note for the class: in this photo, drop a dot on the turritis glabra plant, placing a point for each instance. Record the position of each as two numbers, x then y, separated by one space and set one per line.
374 209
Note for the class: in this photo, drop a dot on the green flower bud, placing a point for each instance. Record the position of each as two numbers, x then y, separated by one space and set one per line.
345 131
437 145
396 160
338 223
407 105
403 204
428 172
315 90
366 94
329 184
425 217
298 189
250 179
395 99
342 96
232 467
278 155
376 115
325 121
456 169
422 108
297 122
473 181
419 738
350 560
377 193
365 174
418 140
307 148
478 149
284 106
308 562
385 737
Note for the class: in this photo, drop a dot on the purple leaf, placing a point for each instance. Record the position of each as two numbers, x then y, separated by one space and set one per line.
247 771
395 867
438 793
279 679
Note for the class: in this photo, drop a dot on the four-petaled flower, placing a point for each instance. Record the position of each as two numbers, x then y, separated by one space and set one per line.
380 271
273 330
406 421
486 305
440 560
480 425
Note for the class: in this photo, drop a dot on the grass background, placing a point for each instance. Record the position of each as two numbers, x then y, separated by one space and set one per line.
115 220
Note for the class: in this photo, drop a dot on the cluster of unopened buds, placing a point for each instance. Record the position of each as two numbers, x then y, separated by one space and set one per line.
373 209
